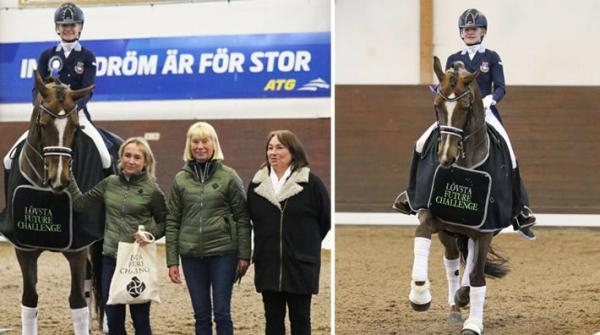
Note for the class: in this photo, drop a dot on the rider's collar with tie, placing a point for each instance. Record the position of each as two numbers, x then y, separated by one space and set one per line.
67 47
471 50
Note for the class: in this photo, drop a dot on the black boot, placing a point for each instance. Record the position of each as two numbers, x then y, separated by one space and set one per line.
401 204
523 223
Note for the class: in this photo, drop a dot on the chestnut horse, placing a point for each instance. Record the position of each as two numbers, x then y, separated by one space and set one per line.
42 164
463 141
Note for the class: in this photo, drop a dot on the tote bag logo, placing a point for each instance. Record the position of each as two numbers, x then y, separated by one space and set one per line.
136 287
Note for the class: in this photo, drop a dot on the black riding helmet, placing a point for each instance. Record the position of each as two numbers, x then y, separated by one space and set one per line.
472 18
68 13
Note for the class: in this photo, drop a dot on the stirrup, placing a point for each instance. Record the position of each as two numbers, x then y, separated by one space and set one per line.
401 204
527 233
524 219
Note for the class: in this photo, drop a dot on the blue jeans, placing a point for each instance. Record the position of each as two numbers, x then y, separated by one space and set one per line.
115 314
202 274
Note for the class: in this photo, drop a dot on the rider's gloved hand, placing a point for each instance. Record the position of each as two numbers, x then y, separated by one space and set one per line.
488 101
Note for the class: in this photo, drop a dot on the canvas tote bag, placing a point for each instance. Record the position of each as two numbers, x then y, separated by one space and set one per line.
135 280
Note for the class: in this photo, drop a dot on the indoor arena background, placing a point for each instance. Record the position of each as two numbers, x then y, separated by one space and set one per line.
383 64
243 104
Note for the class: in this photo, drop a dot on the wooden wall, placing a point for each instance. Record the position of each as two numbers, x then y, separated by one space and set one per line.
243 143
554 131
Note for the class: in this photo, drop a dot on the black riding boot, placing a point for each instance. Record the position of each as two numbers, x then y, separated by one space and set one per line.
401 204
523 222
6 175
525 219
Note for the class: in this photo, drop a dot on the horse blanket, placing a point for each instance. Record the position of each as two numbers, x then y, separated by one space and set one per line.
501 202
86 228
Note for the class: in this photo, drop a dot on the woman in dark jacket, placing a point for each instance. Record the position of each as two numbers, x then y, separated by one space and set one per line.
290 209
208 226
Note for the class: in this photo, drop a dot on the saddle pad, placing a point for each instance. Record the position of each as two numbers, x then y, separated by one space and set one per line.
460 196
42 218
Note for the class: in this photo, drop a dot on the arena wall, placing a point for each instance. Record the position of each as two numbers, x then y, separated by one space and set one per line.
552 128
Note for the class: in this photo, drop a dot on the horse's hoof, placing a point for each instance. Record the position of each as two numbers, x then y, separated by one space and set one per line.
472 327
419 297
420 308
455 317
461 297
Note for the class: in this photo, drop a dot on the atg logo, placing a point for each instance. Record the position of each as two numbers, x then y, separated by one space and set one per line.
277 85
314 85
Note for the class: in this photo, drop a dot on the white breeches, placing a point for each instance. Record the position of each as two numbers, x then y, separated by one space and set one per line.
490 119
87 128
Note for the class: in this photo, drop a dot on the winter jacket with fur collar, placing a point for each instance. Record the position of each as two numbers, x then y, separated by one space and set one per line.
288 229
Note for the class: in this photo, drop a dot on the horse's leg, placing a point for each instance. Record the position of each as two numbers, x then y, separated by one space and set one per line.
474 324
461 297
452 266
29 300
419 296
95 262
80 313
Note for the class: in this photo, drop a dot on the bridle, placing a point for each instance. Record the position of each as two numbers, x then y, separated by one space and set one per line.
454 131
48 151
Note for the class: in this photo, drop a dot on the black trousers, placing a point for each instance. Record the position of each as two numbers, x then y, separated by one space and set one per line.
275 305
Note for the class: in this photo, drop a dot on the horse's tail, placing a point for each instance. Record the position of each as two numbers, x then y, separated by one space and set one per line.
496 265
96 262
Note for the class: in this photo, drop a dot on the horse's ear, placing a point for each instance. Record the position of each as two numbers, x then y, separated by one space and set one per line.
39 84
469 78
76 95
437 68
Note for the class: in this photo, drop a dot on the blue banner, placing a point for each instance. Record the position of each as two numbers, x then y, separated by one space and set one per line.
292 65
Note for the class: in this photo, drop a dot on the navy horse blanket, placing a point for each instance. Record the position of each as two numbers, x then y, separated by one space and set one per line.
481 197
37 218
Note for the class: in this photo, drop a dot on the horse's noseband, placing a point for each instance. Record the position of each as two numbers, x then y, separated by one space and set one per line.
53 151
56 151
455 131
58 116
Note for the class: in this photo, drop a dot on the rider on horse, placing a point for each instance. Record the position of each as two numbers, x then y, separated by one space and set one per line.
472 26
75 66
70 64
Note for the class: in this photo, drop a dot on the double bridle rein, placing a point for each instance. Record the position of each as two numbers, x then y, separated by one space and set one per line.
48 151
454 131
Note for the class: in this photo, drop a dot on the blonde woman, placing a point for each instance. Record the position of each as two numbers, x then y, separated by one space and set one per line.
131 198
208 228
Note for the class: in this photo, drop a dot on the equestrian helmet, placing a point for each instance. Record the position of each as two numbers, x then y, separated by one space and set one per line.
68 13
472 18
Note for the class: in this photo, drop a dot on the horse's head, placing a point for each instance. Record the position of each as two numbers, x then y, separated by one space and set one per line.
54 122
456 102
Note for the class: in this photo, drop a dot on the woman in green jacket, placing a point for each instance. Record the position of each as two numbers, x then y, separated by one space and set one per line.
209 228
131 198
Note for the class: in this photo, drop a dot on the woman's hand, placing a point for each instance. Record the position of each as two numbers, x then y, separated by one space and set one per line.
140 239
242 266
174 274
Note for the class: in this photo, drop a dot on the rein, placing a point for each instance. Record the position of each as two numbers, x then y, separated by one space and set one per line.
455 131
47 151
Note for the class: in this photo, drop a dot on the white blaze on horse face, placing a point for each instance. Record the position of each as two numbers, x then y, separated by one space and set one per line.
450 105
61 125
